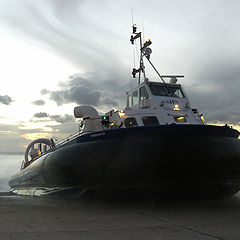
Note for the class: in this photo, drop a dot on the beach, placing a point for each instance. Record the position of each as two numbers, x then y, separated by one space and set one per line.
24 217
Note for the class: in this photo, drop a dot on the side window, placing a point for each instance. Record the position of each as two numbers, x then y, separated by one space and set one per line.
150 121
143 93
135 98
130 122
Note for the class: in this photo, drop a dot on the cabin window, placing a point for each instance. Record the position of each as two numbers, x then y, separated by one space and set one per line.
143 93
150 121
130 122
180 119
170 91
135 98
158 90
175 92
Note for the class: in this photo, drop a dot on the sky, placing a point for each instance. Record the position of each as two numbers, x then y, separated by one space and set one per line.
58 54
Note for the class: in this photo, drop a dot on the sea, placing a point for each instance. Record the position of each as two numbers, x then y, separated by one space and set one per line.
9 165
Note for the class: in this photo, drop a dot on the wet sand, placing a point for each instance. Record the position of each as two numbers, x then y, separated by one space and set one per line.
57 218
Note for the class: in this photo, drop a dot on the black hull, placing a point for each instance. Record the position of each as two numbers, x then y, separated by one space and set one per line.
179 157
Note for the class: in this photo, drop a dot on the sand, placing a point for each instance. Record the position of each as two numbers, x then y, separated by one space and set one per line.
57 218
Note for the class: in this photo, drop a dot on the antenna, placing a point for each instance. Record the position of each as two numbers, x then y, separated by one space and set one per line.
143 31
132 15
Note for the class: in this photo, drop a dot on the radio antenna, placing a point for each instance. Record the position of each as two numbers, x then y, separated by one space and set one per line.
132 15
143 32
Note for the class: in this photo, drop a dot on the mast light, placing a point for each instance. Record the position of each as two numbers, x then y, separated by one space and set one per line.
146 44
134 28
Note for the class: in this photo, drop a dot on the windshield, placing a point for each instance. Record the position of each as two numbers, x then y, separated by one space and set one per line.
168 91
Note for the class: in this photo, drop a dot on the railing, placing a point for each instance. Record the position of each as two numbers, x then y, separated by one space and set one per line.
69 138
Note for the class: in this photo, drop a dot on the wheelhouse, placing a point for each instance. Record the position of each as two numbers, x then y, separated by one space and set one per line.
148 93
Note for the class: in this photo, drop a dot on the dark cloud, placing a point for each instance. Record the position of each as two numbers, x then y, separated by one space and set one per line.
217 92
230 115
62 119
89 91
57 118
5 99
110 102
41 115
39 102
79 95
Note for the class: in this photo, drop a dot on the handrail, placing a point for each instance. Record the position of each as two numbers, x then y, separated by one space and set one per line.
69 138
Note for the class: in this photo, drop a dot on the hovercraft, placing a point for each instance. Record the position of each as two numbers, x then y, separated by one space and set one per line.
158 142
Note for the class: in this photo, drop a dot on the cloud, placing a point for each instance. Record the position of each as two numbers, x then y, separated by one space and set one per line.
230 115
110 102
6 100
39 102
216 93
44 91
64 129
64 28
80 95
62 119
57 118
95 90
41 115
11 139
16 137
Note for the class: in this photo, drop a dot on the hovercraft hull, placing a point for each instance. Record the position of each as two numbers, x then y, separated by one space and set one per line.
191 157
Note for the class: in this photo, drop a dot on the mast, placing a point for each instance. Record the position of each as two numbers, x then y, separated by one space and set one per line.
145 51
141 62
